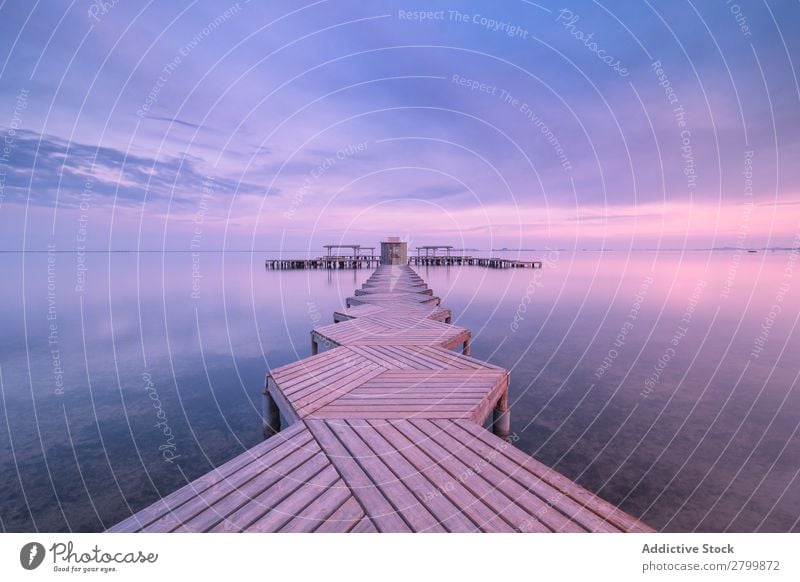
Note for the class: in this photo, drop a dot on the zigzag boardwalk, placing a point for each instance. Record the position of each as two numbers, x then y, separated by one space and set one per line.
384 432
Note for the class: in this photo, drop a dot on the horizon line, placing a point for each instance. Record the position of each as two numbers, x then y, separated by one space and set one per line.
502 250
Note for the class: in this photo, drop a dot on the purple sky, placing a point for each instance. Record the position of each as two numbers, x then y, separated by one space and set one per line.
485 124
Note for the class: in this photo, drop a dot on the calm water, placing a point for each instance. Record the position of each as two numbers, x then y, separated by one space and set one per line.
666 382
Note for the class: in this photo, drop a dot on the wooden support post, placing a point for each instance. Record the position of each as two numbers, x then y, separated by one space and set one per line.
465 351
272 414
501 422
314 345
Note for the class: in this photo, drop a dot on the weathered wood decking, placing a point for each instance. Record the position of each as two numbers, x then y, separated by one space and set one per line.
384 433
434 312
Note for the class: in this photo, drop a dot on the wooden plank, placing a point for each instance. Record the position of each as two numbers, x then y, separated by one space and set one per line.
382 289
397 457
381 357
383 399
443 377
310 377
324 414
432 360
311 383
334 370
524 509
450 359
202 512
393 488
312 402
540 485
241 509
321 487
188 492
411 357
473 478
405 400
378 508
344 519
289 371
446 484
606 510
436 393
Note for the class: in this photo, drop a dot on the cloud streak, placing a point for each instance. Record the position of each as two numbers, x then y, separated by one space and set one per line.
45 170
461 121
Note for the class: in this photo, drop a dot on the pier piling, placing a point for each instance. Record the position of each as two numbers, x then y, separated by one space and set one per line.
501 422
272 414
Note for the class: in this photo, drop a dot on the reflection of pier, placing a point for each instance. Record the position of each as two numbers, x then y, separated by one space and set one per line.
384 432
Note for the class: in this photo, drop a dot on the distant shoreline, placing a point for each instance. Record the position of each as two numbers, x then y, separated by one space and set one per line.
256 251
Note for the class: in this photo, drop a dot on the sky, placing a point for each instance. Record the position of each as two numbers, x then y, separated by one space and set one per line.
289 125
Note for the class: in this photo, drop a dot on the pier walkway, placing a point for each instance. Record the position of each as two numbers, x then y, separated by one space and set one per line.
384 432
464 260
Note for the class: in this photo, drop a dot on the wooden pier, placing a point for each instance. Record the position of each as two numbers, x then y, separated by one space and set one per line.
326 262
469 261
384 432
359 260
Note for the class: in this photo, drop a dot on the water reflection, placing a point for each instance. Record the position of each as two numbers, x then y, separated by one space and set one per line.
644 378
665 382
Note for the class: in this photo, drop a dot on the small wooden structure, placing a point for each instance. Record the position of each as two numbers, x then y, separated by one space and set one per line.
431 250
394 251
434 312
356 249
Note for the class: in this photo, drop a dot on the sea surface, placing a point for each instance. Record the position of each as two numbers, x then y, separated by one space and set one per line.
666 382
